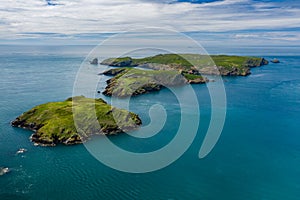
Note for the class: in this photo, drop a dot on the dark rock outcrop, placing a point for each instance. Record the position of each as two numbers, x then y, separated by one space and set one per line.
198 80
255 62
113 72
94 61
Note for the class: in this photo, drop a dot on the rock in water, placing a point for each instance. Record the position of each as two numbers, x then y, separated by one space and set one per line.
22 150
4 170
94 61
275 60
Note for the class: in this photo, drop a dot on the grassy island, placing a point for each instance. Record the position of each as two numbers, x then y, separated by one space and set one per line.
53 122
224 65
171 70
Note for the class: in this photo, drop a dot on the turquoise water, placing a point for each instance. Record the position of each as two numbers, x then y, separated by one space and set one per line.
257 156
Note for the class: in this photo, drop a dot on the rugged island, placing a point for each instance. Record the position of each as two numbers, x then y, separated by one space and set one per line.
171 70
53 122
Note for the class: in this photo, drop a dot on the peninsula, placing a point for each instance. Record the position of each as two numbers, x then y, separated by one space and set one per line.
53 123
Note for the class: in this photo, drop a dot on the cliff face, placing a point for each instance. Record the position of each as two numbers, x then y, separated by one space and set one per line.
53 123
255 62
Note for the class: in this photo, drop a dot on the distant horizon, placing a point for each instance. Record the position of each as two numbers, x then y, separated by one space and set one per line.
83 50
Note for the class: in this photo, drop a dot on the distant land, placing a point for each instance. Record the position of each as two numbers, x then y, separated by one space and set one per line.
171 70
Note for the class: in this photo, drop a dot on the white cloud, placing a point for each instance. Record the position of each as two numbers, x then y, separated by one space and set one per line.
282 35
18 17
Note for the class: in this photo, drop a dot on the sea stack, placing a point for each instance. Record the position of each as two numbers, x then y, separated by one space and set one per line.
94 61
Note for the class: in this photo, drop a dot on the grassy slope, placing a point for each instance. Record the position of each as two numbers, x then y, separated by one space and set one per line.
55 124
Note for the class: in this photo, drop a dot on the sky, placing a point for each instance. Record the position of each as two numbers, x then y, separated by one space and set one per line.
252 22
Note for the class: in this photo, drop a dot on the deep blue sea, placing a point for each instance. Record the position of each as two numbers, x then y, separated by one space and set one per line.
256 158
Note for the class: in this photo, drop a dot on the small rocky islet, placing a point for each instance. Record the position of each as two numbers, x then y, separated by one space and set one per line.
275 60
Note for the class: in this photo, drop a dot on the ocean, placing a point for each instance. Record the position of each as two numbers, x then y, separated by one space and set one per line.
257 156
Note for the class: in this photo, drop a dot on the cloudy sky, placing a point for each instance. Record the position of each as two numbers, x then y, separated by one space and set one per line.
228 21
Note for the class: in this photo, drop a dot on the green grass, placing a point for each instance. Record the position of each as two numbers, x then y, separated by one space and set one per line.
192 76
236 61
173 59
